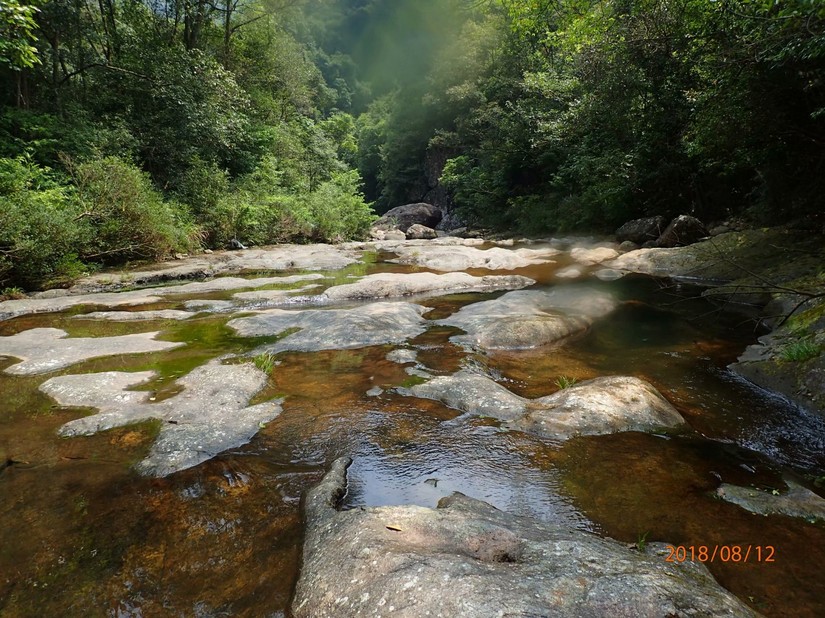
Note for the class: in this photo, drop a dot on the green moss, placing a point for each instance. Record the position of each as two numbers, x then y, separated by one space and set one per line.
413 381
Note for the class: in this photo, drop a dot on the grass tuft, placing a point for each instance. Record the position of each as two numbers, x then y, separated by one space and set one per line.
564 382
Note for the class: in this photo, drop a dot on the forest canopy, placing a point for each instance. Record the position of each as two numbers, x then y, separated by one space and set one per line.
132 129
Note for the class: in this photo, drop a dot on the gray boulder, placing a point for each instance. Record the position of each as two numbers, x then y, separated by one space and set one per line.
529 319
466 558
402 217
420 232
683 230
641 230
594 407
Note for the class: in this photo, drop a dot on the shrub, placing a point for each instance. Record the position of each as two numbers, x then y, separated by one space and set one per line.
39 229
125 218
338 210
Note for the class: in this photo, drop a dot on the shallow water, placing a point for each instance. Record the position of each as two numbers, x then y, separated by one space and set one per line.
83 535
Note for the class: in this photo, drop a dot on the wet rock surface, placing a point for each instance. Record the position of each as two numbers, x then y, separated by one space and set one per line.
798 501
335 329
527 319
594 407
467 558
210 416
43 350
388 285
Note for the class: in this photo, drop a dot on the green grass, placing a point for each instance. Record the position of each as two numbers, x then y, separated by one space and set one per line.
564 382
799 351
14 293
265 362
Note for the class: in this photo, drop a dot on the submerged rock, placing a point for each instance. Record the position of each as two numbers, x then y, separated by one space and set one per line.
466 558
595 407
42 350
211 415
571 272
527 319
388 285
455 258
335 329
798 501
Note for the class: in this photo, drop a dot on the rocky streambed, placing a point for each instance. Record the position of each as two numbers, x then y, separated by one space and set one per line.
531 425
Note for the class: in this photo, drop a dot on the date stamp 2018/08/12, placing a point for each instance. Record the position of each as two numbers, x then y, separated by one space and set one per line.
721 553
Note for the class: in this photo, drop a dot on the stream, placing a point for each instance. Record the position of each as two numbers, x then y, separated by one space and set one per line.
85 534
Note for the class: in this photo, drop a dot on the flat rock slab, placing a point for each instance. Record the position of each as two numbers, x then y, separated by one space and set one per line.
455 258
266 296
136 316
13 308
594 407
389 285
527 319
392 245
467 558
275 258
42 350
335 329
210 416
798 501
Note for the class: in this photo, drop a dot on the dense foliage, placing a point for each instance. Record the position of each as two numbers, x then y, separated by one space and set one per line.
131 129
563 114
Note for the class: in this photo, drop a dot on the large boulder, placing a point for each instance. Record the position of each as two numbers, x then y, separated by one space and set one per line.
420 232
600 406
641 230
528 319
402 217
683 230
466 558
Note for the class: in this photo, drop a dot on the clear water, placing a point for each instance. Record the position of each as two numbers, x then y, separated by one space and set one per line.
82 535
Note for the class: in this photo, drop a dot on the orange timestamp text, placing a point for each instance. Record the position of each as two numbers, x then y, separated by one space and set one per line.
721 553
